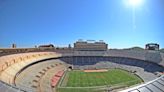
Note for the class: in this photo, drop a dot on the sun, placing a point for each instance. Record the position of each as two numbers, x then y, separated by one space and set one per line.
135 3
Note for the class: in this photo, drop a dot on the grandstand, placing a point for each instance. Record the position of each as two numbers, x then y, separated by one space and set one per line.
46 71
38 79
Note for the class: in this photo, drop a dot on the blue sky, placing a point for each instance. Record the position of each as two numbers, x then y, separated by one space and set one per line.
61 22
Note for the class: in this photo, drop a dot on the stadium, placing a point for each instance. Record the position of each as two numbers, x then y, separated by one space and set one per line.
39 51
88 67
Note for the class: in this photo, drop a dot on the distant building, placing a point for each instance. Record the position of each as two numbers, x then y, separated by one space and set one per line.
35 46
90 45
14 46
17 50
152 46
46 47
69 46
50 45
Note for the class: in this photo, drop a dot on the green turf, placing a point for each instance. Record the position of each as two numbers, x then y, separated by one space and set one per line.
78 90
112 77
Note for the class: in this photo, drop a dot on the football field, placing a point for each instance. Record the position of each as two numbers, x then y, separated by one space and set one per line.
87 79
112 77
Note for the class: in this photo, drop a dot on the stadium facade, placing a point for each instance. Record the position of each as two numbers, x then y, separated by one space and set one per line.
90 45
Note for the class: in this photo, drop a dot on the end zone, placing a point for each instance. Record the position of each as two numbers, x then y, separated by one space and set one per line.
99 70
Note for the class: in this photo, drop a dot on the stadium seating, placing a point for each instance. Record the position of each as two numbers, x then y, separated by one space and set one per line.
141 67
145 55
156 85
8 88
46 75
55 79
45 81
12 64
38 80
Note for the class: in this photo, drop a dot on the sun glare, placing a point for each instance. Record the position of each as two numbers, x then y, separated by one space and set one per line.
135 3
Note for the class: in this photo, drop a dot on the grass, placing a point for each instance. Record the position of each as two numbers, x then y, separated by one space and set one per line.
78 80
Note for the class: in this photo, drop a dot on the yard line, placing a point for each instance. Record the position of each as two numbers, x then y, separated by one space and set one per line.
95 79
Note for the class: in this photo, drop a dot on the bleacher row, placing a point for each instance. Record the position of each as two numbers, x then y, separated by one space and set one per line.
145 55
6 61
55 79
142 68
145 63
10 65
39 80
40 74
4 87
156 85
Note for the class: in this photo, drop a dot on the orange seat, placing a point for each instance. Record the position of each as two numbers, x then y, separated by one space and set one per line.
55 79
60 73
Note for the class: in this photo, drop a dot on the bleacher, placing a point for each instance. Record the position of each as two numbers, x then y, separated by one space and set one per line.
10 65
145 55
156 85
4 87
143 63
37 79
142 68
55 79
